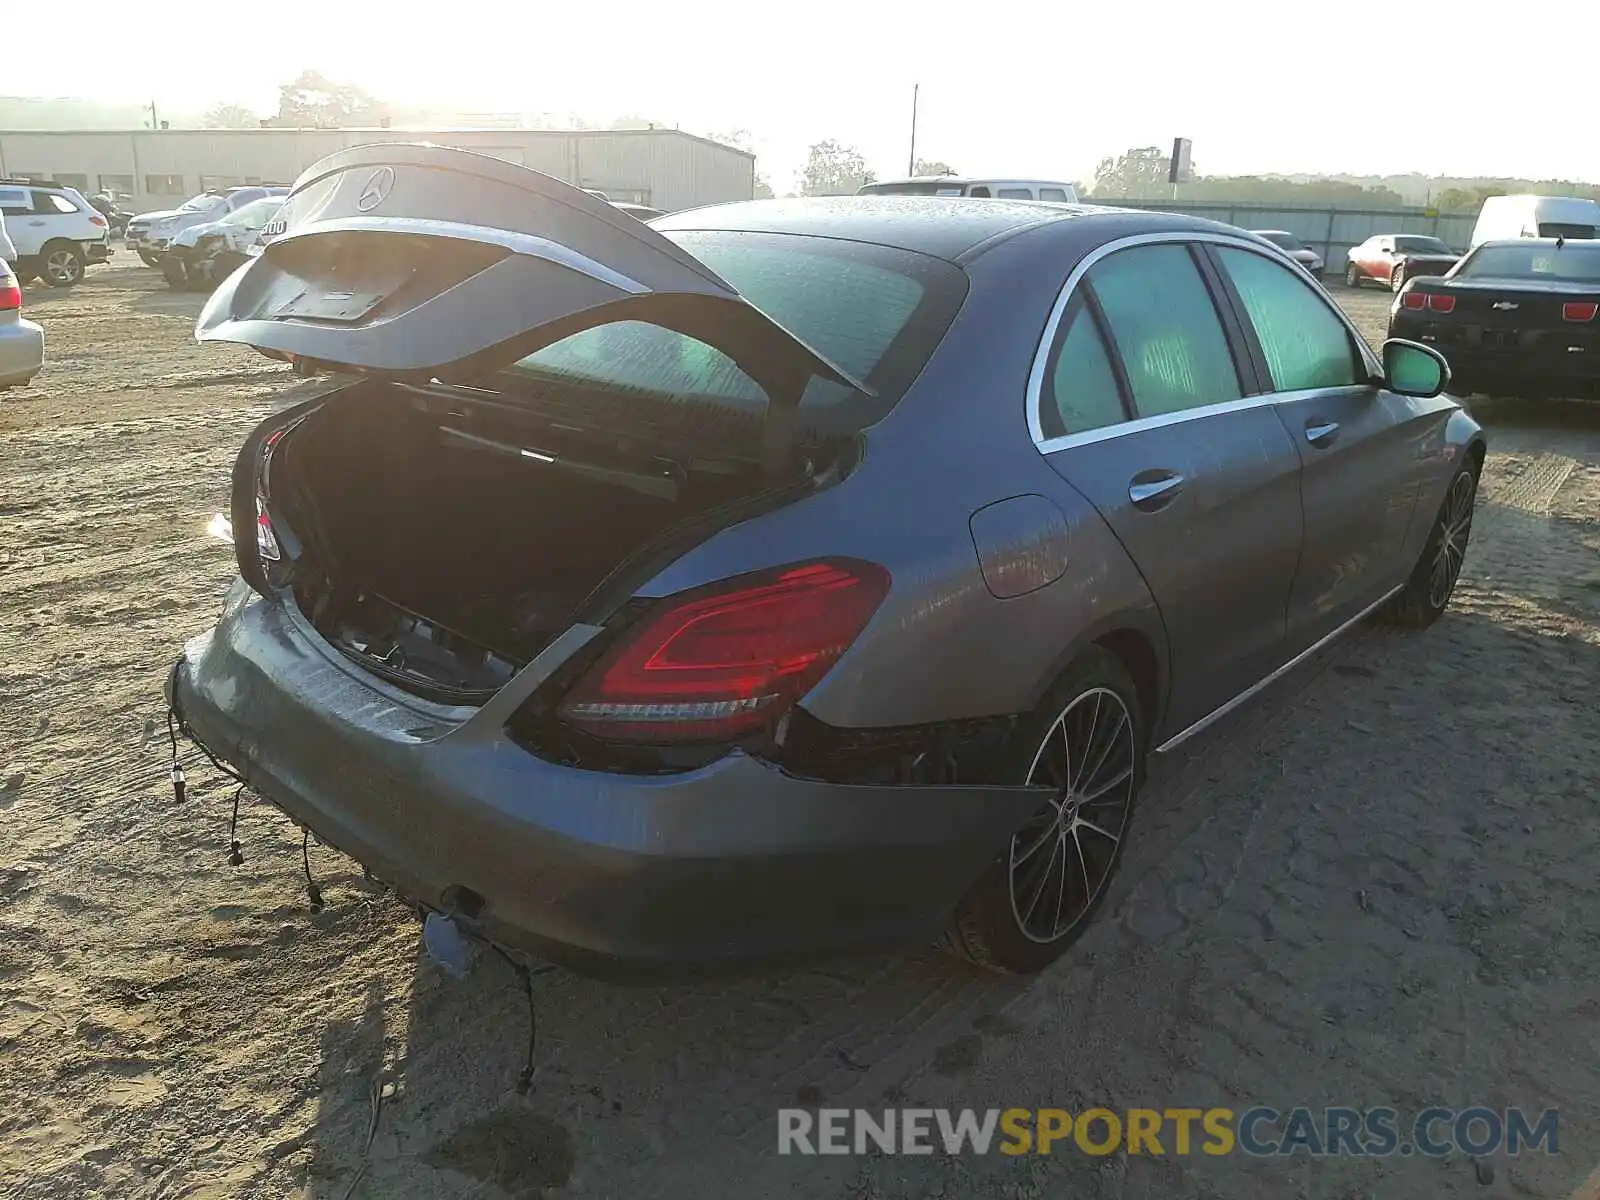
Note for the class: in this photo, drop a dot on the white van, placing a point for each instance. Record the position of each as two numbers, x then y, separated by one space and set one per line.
952 185
1536 216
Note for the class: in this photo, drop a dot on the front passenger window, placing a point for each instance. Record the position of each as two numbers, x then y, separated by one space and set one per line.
1166 329
1305 344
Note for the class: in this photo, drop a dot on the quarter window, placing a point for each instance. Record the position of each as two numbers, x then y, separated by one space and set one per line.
60 203
1305 344
1081 389
1166 329
1057 194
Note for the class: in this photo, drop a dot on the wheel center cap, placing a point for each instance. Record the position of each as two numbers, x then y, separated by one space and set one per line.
1067 813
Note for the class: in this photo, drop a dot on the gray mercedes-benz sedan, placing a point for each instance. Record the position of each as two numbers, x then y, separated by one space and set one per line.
784 575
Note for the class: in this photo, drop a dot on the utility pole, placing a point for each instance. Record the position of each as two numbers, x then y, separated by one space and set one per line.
911 162
155 123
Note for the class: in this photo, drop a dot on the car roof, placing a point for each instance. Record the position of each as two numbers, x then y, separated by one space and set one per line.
964 179
45 185
1553 243
948 227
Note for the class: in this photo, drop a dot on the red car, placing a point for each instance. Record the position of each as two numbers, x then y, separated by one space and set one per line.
1393 258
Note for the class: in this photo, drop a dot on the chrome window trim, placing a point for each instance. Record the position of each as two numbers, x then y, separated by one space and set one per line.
1041 357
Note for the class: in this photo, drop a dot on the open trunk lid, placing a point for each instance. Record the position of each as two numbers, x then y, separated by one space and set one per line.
418 262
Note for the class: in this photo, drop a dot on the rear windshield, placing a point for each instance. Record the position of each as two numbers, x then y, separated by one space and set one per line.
1414 244
874 311
1561 229
1571 263
920 187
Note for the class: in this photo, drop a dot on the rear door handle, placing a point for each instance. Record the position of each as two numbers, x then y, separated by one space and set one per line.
1153 494
1321 433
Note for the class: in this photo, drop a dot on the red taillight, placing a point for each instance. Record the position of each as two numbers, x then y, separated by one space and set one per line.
10 294
1440 303
1580 310
1413 300
725 661
266 539
97 220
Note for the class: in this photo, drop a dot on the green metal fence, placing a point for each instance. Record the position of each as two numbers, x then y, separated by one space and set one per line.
1329 230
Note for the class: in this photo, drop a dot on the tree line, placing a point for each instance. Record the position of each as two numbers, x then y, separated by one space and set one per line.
312 100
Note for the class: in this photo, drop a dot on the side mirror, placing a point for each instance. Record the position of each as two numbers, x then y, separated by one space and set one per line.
1413 369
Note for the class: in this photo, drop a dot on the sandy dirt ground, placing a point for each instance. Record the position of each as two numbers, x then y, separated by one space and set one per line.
1375 884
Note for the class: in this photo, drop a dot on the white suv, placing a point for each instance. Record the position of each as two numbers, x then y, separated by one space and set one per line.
55 231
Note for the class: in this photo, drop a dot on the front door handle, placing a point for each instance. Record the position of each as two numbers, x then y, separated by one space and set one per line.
1156 493
1321 433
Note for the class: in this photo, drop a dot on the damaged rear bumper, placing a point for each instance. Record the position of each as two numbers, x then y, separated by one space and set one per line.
734 861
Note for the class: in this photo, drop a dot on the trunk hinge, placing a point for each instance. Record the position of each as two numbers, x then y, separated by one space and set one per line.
780 426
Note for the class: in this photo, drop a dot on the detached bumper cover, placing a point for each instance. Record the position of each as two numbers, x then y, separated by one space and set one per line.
734 861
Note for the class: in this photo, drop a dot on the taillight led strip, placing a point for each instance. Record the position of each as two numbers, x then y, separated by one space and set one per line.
1433 301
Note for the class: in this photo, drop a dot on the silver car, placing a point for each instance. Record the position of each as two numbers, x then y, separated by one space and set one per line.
784 575
1295 249
21 342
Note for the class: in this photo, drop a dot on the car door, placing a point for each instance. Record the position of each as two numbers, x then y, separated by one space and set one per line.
1369 257
1360 445
1200 483
1383 260
17 204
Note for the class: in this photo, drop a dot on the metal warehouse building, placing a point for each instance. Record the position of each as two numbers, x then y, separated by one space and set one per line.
664 168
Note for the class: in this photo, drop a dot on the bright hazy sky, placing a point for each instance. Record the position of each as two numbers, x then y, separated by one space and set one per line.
1025 89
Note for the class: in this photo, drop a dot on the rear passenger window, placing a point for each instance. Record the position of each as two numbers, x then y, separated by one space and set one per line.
1305 344
1015 194
15 201
1081 391
1166 329
1055 194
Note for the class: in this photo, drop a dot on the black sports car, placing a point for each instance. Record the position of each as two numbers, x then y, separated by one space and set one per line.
1513 318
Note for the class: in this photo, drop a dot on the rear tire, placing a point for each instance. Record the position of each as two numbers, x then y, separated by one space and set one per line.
1352 276
1433 581
148 259
1397 278
61 264
175 273
1086 740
